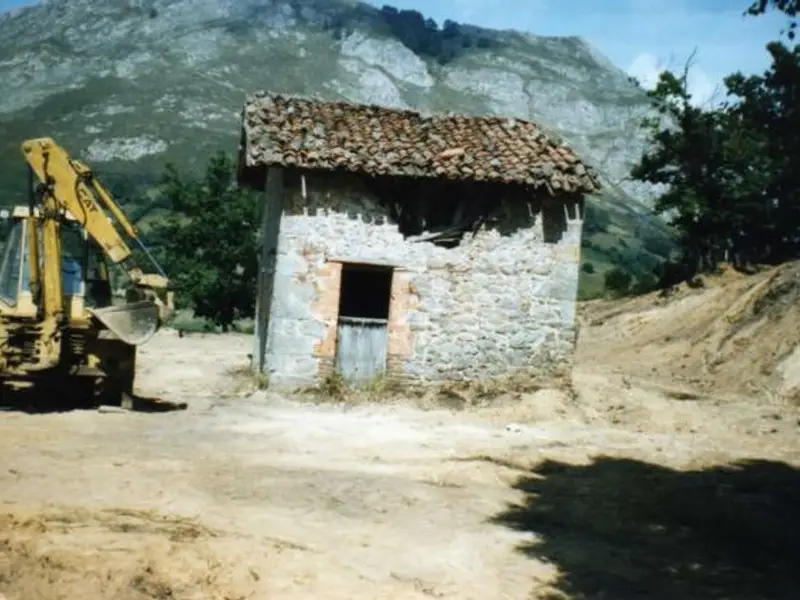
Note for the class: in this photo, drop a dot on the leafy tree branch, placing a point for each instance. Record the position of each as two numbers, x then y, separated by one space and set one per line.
208 244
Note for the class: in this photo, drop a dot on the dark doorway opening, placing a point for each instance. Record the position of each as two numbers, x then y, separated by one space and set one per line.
362 333
365 291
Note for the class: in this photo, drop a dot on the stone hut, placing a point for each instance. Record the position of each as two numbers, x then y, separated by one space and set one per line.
403 245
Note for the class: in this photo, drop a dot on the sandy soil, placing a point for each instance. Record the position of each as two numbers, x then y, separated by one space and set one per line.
655 478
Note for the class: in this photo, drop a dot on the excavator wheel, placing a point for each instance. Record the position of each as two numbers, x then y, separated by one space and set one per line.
117 363
113 391
81 392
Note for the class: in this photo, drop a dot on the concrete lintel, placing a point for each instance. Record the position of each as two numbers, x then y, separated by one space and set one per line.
371 263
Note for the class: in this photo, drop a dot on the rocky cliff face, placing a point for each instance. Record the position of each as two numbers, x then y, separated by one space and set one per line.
131 84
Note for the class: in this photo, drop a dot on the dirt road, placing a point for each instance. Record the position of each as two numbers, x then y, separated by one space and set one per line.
624 490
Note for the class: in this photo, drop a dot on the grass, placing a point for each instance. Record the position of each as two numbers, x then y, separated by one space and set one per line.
431 395
185 322
379 390
248 382
335 387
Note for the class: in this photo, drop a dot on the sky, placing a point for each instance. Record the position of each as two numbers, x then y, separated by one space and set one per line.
642 37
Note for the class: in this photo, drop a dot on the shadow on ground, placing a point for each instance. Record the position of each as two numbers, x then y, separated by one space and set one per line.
49 398
622 529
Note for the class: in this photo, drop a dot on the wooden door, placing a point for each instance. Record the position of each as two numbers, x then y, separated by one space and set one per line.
361 348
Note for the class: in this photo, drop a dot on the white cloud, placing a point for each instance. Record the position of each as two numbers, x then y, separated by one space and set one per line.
701 87
647 67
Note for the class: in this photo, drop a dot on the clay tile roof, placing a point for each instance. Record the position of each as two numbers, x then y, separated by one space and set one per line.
279 130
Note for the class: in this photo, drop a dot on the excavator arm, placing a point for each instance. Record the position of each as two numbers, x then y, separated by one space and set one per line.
66 184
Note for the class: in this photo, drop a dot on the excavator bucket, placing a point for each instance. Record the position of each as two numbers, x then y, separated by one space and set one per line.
133 323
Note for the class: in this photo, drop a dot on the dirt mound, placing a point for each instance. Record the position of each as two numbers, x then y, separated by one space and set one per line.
730 333
120 555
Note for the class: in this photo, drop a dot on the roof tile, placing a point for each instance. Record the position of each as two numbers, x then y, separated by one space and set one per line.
280 130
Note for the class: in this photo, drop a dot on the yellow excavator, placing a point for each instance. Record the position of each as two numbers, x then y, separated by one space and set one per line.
62 327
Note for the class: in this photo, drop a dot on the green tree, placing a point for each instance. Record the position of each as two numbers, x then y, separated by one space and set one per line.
693 152
208 245
733 188
788 7
424 37
770 105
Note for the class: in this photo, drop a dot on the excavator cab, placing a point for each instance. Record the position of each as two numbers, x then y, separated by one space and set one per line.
86 285
92 283
84 271
12 232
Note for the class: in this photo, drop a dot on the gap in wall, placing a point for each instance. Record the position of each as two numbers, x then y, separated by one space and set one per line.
365 291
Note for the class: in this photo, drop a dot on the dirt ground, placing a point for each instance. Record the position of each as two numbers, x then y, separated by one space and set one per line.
670 471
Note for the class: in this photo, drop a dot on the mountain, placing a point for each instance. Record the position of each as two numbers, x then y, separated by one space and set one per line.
128 85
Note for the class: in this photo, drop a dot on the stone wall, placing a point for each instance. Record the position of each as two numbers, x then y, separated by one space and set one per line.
497 302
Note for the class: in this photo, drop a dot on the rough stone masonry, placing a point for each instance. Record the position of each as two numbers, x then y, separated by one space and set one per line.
500 301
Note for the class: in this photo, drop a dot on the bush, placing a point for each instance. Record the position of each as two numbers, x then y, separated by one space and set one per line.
644 285
672 273
617 282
